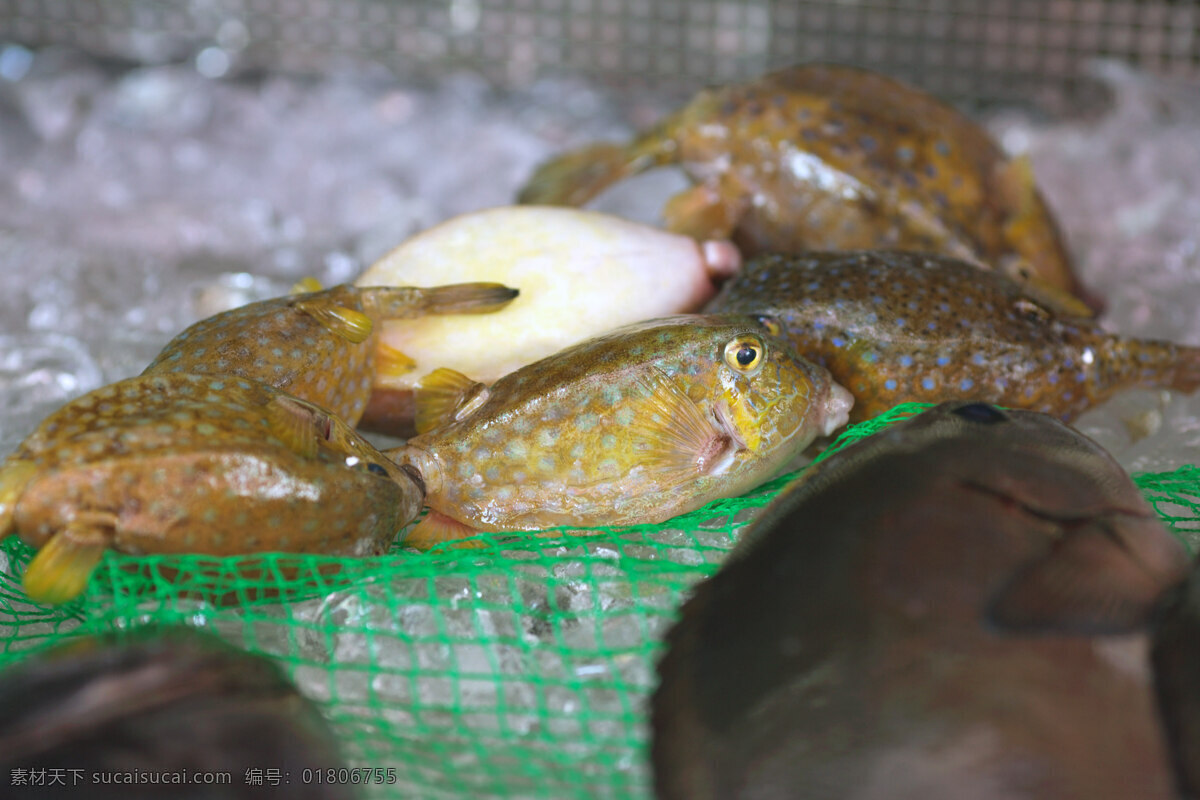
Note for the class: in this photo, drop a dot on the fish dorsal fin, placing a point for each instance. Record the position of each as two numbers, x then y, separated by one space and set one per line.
674 435
445 396
14 477
437 528
392 363
60 570
1086 583
306 286
294 424
353 326
1058 301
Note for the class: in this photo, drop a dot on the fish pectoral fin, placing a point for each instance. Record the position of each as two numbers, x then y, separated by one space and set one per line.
437 528
353 326
391 364
14 477
296 425
445 396
306 286
60 570
1086 583
675 436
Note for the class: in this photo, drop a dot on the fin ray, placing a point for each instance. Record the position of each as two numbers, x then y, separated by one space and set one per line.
676 436
444 396
353 326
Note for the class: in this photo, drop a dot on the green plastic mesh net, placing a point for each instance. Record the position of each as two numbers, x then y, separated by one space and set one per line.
518 669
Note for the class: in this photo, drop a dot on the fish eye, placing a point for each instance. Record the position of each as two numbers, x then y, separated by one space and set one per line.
770 323
377 469
981 412
745 353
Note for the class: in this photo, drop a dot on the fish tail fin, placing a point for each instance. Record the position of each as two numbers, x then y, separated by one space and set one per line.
60 570
1149 364
437 528
574 178
14 477
406 302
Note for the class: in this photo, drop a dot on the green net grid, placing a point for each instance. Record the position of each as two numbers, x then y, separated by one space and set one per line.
521 668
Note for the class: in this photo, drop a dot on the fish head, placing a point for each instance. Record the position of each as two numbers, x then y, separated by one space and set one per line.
769 399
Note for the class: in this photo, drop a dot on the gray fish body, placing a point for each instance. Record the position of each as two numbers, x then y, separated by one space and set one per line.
170 703
954 608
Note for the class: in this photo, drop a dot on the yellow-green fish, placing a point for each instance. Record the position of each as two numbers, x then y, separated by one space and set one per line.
826 157
960 607
319 345
209 464
636 426
896 327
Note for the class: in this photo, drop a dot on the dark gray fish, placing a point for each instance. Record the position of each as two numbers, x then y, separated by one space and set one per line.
957 607
162 703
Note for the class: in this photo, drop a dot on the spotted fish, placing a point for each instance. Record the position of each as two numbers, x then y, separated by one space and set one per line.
636 426
169 463
318 345
896 327
960 607
580 274
824 157
162 702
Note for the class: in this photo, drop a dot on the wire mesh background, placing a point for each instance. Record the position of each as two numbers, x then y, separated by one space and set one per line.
967 50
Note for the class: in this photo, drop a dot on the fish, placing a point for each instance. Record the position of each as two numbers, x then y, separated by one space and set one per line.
829 157
174 463
636 426
143 713
320 345
960 606
580 274
895 327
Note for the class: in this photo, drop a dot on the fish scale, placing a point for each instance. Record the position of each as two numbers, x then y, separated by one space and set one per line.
895 327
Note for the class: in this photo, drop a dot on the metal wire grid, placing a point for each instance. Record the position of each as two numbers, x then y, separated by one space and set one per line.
972 49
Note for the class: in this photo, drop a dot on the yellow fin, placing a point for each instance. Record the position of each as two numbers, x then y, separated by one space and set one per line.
444 396
1017 185
306 286
60 570
353 326
436 528
674 435
14 477
390 362
293 423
